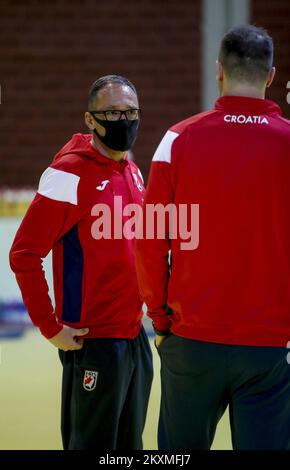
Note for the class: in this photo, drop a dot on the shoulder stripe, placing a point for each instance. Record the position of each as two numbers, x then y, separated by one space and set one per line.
59 185
163 151
141 176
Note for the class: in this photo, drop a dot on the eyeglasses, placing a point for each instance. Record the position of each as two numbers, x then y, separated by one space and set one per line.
116 114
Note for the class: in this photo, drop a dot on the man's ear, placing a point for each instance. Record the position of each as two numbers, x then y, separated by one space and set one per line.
271 76
219 71
89 121
92 124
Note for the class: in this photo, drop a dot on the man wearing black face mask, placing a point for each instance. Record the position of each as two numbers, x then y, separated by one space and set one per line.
115 129
96 322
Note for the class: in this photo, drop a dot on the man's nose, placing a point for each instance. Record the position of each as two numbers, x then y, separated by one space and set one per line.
123 115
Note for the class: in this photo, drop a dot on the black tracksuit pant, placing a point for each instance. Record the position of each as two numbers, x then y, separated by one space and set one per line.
199 379
105 393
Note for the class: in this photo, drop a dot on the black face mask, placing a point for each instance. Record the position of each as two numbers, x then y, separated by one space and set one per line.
120 135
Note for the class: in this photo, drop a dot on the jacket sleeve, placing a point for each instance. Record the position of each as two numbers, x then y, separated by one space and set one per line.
52 213
152 250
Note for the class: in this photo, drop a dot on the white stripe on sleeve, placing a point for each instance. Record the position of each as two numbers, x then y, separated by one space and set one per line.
59 185
163 151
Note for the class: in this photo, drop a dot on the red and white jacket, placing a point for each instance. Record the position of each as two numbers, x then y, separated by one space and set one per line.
95 283
234 287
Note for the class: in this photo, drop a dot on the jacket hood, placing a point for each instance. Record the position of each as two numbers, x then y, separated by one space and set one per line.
80 144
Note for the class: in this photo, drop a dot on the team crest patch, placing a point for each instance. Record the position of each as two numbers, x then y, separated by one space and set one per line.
90 380
138 184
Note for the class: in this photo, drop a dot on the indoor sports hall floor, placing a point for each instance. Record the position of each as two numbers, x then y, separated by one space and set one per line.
30 377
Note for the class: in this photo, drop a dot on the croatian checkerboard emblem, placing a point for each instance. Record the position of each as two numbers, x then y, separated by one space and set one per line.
90 380
138 184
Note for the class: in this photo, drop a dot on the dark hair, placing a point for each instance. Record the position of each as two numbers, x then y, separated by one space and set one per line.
102 82
246 53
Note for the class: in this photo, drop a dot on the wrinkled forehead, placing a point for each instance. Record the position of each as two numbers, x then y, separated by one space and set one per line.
115 95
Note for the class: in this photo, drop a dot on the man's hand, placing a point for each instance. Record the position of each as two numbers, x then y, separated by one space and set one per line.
68 339
158 340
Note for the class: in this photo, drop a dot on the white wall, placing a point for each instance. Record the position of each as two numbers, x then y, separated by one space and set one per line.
218 16
8 286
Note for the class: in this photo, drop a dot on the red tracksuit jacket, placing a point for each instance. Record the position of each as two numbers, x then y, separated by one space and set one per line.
95 281
234 288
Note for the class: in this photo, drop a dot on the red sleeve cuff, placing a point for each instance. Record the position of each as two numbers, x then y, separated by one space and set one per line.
50 327
161 322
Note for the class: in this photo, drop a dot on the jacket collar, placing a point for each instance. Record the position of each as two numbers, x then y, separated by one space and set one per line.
247 104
